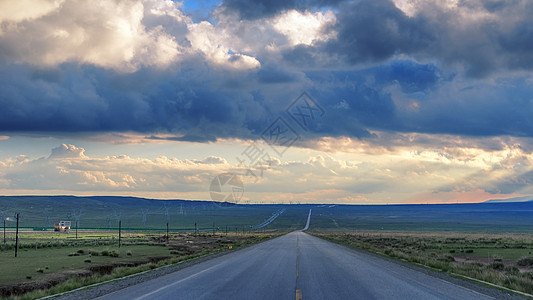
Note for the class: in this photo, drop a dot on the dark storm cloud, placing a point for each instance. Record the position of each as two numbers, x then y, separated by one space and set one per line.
357 76
375 30
75 98
481 38
273 73
257 9
199 105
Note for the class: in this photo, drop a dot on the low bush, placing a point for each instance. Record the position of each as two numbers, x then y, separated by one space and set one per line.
525 262
497 265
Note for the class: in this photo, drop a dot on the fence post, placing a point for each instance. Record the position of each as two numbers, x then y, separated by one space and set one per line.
119 232
17 237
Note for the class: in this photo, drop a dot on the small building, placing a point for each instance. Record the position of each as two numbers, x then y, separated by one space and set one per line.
62 226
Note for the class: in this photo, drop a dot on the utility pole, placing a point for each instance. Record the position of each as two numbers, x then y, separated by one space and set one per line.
17 237
119 232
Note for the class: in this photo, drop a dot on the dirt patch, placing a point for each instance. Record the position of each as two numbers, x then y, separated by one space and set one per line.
488 261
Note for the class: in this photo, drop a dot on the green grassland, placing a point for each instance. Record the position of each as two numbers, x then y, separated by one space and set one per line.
37 264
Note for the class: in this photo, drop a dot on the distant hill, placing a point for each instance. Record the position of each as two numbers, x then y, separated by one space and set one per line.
511 200
105 211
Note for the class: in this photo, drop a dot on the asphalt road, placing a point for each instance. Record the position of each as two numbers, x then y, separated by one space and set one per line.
297 266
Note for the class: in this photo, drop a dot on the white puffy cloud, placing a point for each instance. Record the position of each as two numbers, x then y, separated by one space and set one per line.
212 42
68 169
120 35
304 27
67 151
109 34
20 10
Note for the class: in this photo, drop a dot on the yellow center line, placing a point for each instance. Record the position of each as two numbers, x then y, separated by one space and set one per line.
298 294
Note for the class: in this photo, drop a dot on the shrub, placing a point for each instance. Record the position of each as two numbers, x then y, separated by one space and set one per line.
447 258
80 251
114 253
497 265
469 250
105 252
94 253
452 251
88 260
28 277
512 270
74 254
128 253
525 261
40 270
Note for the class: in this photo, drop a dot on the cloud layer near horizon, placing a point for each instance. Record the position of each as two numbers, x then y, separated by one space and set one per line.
395 175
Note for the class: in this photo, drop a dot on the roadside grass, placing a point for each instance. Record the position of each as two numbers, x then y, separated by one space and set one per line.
119 272
59 259
65 265
505 260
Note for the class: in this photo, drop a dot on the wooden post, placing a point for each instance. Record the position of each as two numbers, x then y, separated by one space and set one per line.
17 237
119 232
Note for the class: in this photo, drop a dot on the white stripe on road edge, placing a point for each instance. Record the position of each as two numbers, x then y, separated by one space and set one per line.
122 278
477 280
174 283
495 285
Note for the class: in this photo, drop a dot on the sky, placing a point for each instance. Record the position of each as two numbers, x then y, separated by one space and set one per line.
308 101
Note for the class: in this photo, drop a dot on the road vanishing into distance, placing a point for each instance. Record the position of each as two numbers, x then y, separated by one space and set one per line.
297 266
